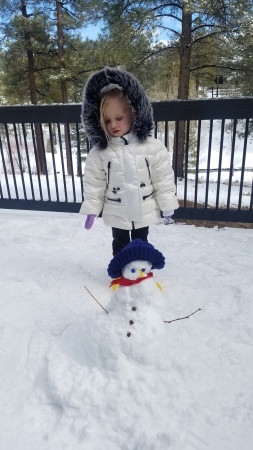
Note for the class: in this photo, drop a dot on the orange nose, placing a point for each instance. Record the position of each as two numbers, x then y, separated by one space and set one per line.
141 274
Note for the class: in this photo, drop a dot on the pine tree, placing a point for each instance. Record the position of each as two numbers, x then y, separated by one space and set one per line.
210 17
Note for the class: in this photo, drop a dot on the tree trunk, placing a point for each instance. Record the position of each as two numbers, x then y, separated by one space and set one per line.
183 90
33 94
64 92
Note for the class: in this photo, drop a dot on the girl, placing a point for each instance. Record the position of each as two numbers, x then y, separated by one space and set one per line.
128 175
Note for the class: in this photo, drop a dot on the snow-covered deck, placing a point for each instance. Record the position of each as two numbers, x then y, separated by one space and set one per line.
198 397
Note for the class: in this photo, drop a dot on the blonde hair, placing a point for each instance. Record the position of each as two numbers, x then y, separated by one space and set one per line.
113 94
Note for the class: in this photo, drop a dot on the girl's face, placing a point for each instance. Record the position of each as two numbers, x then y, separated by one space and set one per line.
118 119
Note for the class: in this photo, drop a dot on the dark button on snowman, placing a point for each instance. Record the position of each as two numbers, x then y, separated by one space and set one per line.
137 304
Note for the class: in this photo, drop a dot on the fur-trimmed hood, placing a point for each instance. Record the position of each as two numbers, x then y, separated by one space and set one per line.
131 88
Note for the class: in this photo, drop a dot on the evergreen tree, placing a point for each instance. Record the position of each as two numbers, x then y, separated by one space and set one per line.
195 21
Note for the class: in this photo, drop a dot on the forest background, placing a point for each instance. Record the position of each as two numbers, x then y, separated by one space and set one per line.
45 56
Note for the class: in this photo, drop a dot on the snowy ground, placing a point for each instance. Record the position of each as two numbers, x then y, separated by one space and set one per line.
67 384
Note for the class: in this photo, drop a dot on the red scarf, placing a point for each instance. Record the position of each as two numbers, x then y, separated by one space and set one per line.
125 282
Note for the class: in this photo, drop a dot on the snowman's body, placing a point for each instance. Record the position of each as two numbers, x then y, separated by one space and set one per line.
135 315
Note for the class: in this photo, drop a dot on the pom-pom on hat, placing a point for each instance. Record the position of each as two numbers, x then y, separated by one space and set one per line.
137 249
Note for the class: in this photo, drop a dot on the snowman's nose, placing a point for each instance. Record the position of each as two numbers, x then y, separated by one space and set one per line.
141 274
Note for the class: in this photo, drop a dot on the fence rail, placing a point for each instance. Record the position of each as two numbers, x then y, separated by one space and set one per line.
43 150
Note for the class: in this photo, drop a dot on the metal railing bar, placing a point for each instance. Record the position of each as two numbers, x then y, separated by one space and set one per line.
175 147
5 170
155 130
36 160
71 164
166 134
208 162
19 160
186 160
11 160
28 160
38 205
172 110
53 158
220 162
197 165
62 162
231 163
245 142
78 141
45 162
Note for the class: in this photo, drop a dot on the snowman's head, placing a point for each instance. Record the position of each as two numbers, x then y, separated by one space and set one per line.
136 251
136 269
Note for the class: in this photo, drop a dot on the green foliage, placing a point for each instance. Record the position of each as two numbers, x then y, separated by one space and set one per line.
23 35
221 42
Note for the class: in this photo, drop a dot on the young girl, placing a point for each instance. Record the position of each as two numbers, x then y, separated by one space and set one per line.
128 175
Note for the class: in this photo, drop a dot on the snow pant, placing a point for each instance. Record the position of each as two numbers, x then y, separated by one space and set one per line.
122 237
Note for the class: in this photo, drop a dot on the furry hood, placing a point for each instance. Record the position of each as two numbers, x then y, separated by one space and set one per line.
131 88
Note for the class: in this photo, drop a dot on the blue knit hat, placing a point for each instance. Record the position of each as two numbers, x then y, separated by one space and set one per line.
137 249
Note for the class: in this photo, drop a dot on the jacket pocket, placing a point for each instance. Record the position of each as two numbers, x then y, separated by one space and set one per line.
146 196
114 199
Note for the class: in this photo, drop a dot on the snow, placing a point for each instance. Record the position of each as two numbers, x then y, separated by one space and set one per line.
69 382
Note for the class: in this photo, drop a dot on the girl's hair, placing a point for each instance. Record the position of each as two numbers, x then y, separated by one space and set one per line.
106 98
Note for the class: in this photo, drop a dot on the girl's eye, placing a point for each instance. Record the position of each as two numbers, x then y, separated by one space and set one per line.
143 270
107 121
119 118
132 270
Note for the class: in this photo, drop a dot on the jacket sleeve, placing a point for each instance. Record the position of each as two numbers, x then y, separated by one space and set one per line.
163 180
94 184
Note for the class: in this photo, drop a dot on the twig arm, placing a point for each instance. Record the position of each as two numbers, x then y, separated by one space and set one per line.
181 318
95 299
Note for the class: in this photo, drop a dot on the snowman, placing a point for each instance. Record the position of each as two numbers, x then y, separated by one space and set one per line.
107 362
133 331
136 310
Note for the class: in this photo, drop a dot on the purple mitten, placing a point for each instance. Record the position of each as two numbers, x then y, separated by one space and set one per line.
167 217
89 221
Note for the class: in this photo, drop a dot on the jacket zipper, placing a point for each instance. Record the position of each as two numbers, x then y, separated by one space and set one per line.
148 168
146 196
108 169
125 141
114 199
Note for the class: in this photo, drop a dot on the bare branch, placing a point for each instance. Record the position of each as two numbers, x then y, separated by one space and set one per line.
220 66
204 37
169 15
171 29
150 55
164 5
206 25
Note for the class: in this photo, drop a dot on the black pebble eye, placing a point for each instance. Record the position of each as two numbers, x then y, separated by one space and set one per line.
132 270
143 270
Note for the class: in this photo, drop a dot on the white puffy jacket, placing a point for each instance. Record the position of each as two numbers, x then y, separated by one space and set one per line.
130 181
